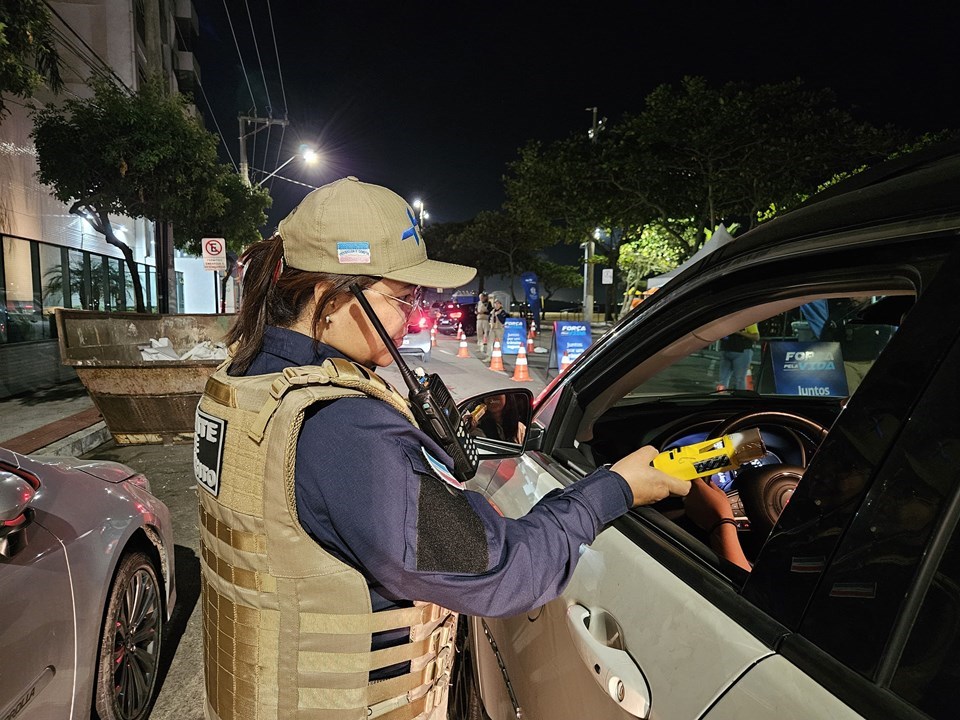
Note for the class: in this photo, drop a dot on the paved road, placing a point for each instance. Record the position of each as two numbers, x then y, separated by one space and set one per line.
170 471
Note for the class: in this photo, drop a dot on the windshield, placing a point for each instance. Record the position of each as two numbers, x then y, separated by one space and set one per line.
821 348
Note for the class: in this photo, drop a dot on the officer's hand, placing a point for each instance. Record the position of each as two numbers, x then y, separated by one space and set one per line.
646 482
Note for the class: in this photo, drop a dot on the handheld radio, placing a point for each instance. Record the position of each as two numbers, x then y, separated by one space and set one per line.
703 459
430 402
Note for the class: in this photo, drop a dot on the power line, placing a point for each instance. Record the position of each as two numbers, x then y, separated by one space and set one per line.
243 67
276 49
103 65
217 125
256 47
276 163
213 115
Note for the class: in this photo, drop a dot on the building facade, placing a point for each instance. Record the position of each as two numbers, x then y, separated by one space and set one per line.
51 258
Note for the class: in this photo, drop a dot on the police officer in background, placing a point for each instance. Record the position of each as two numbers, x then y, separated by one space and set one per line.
483 321
336 547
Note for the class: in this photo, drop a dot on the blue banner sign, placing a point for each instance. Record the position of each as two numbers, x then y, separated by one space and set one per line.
808 368
572 337
514 335
532 292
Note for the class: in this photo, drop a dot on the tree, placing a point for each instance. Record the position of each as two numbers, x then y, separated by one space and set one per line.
441 241
554 276
499 243
28 53
695 156
142 155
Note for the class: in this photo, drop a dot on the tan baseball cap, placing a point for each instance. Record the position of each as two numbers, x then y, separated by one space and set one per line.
354 228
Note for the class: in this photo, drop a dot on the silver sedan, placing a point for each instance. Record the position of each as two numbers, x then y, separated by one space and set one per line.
86 584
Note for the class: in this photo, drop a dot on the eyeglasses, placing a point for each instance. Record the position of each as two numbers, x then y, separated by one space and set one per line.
412 300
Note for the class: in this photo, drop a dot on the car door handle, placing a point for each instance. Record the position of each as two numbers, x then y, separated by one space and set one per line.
600 643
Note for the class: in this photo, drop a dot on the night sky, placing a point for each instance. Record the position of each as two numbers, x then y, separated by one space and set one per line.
433 99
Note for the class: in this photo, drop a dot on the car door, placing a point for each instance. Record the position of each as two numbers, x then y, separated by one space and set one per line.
624 619
37 640
882 631
648 625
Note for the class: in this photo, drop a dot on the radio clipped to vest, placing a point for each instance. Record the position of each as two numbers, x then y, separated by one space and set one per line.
431 403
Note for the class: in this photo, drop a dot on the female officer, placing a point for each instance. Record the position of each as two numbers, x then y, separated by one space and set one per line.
332 531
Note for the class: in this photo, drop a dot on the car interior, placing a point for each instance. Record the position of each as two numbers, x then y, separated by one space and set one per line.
673 397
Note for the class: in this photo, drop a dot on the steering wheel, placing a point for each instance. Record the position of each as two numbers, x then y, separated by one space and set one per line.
766 490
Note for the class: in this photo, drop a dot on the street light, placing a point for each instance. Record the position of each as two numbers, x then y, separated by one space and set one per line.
309 156
423 214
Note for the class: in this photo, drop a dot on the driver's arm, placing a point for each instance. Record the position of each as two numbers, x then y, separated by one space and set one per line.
708 507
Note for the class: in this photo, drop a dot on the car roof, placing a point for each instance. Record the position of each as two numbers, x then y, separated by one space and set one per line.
924 184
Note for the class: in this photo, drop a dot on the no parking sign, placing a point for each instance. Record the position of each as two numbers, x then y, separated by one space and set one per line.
215 254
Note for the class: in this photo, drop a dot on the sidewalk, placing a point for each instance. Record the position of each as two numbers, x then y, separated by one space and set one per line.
60 420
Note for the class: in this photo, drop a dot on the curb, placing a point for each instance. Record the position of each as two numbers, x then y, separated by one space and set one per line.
79 443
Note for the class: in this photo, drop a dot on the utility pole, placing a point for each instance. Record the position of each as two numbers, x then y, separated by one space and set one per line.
588 272
263 123
588 246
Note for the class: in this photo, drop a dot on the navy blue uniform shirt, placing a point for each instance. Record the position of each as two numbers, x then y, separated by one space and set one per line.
365 492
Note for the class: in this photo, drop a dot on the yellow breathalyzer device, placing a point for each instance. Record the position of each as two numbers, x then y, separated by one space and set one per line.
703 459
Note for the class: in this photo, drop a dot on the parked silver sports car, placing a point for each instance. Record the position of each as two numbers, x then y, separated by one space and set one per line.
86 583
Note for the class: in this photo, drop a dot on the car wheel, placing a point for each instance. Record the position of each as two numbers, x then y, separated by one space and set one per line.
464 702
130 643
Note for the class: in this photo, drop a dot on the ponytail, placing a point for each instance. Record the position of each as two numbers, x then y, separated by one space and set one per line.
276 294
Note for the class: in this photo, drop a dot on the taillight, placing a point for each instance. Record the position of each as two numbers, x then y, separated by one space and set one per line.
455 315
423 322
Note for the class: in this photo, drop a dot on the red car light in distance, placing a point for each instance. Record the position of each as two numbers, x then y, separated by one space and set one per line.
456 315
423 322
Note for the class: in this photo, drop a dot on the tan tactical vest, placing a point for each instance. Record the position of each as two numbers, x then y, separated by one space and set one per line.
287 626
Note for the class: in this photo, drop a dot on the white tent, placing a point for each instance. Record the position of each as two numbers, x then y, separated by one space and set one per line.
719 238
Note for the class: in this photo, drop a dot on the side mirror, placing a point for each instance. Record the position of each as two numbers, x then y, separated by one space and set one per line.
498 421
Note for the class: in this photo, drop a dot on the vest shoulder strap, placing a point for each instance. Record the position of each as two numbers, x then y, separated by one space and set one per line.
321 380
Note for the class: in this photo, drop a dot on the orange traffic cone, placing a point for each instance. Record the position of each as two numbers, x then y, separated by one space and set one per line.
520 372
565 361
496 357
749 380
433 336
532 333
464 351
460 333
530 344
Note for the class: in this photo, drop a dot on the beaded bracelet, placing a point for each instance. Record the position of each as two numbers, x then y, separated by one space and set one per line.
722 521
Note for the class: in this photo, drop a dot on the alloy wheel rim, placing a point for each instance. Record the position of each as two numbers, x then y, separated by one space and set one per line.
136 645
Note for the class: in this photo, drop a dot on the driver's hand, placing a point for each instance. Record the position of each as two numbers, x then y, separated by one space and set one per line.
706 504
646 482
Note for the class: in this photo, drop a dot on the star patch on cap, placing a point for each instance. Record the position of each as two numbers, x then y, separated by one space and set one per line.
441 471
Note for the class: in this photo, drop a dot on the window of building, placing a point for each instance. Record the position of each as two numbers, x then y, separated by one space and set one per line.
140 20
52 284
21 311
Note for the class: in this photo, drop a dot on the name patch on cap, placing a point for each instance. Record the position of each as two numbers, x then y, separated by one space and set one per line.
353 252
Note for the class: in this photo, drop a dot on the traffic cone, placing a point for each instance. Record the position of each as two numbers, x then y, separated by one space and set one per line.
532 333
433 336
464 351
520 372
496 357
530 344
749 379
460 333
565 361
